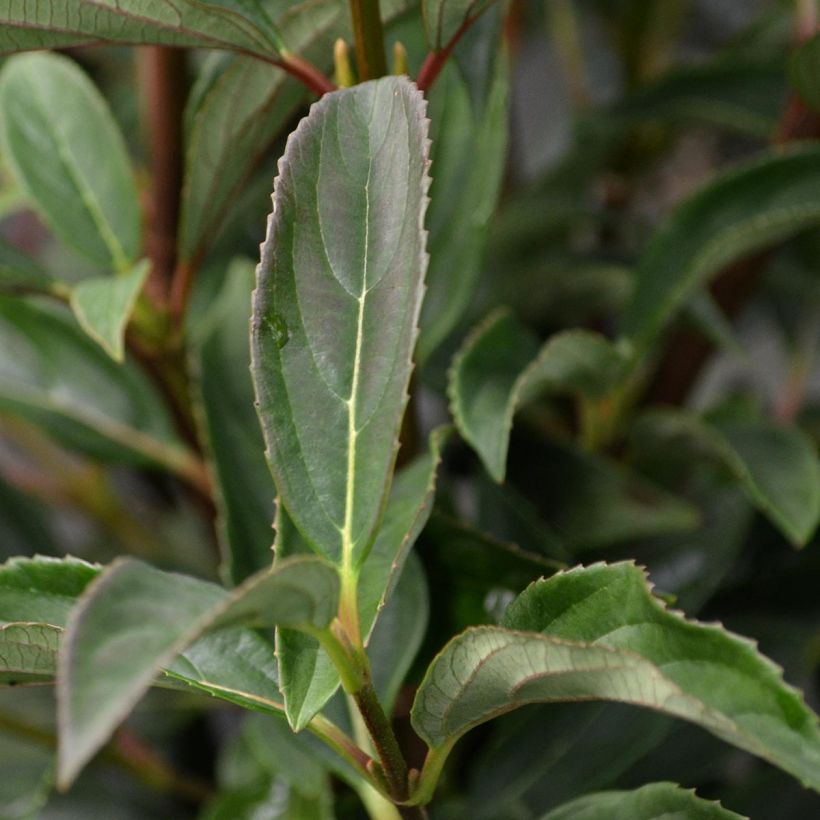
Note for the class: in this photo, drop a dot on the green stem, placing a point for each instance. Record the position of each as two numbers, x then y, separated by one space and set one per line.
384 740
430 774
368 35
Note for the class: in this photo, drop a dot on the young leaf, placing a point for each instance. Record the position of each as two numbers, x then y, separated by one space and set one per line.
469 150
308 678
344 251
134 619
52 374
244 487
103 306
599 633
775 465
749 208
232 24
499 366
68 155
653 802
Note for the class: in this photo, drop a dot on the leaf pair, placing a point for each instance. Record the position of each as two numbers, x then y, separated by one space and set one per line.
69 157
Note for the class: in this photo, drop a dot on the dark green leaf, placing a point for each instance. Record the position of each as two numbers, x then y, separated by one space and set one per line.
444 18
469 152
21 272
28 653
658 801
599 633
775 465
51 373
499 367
804 71
134 619
345 249
244 487
747 209
69 157
103 306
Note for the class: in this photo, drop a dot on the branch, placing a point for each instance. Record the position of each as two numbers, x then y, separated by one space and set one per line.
435 60
368 34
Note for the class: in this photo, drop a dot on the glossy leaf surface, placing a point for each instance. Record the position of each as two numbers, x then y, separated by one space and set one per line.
658 801
69 157
345 249
103 305
599 633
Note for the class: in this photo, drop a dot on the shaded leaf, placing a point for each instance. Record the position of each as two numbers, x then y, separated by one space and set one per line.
52 374
775 465
134 619
20 272
599 633
469 151
444 18
500 366
28 653
103 306
345 249
68 155
804 69
749 208
654 802
244 487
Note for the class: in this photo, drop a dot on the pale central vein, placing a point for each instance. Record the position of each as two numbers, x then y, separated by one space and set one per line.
352 432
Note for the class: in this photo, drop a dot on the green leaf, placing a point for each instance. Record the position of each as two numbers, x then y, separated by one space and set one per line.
133 620
235 24
103 306
469 151
599 633
749 208
499 366
775 465
52 374
804 70
308 678
345 249
232 664
67 154
658 801
19 272
28 653
244 487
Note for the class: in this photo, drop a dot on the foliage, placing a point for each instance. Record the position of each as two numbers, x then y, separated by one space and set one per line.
441 503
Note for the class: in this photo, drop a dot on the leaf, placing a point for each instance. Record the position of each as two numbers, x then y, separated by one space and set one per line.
345 249
656 801
469 151
28 653
68 155
749 208
103 306
232 664
599 633
244 487
775 465
803 70
19 272
134 619
308 678
52 374
499 366
233 24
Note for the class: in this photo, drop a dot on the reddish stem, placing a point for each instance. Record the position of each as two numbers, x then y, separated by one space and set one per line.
306 73
435 60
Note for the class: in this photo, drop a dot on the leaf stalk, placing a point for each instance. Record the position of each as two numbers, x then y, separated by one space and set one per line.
368 34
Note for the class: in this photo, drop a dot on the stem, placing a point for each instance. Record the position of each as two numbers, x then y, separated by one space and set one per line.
384 741
566 37
163 81
337 740
305 72
368 36
435 60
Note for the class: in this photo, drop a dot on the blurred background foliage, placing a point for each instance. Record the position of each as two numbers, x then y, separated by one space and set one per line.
559 165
